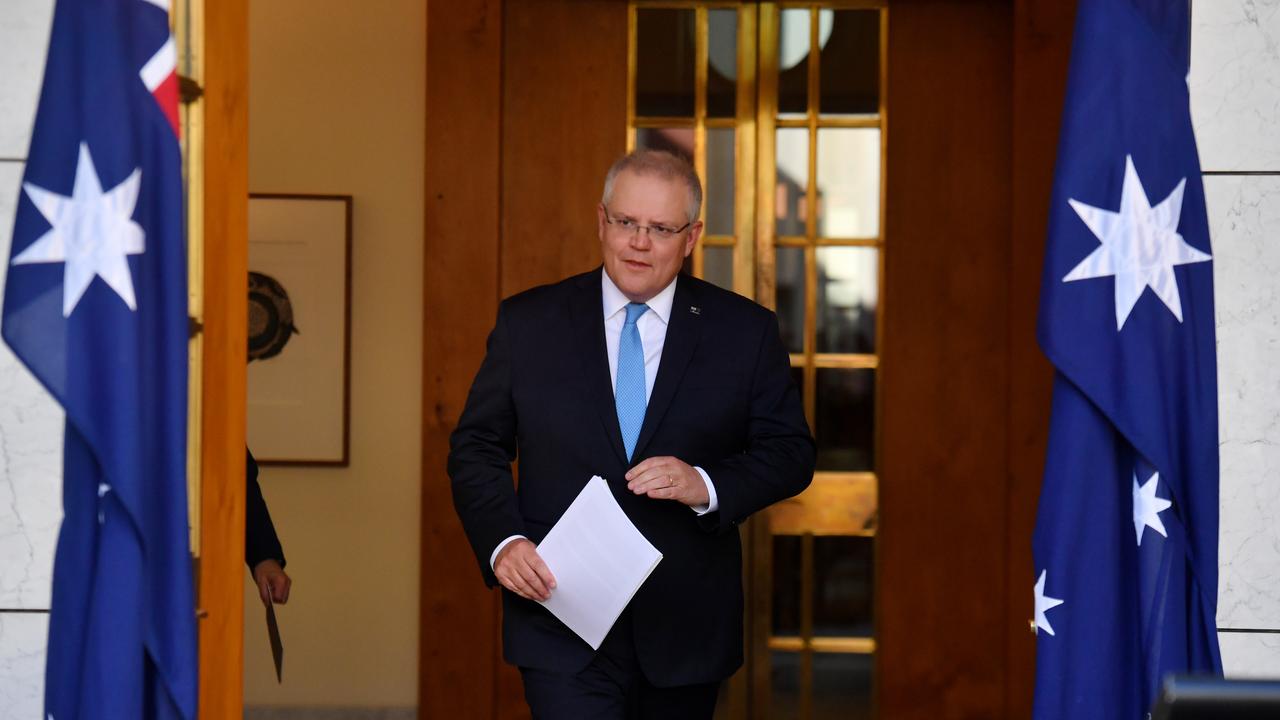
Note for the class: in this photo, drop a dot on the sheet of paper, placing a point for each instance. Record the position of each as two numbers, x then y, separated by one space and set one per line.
273 635
599 560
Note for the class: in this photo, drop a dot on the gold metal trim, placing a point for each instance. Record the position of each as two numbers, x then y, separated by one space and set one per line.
657 122
835 504
632 51
852 495
797 241
187 19
848 242
700 42
833 4
745 156
847 645
835 360
806 624
833 121
767 22
686 4
766 155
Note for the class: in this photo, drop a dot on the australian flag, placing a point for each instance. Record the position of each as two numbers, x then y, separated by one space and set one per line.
1126 535
95 305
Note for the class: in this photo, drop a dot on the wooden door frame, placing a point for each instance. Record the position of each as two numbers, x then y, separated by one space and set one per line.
932 662
225 320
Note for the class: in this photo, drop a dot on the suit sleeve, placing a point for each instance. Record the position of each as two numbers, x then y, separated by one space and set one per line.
481 450
260 539
779 458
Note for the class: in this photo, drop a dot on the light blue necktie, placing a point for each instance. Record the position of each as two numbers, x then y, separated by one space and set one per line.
629 393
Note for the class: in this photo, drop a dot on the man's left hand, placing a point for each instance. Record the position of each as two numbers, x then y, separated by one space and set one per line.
668 478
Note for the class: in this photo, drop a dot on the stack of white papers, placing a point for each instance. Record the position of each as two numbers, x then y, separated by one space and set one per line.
599 560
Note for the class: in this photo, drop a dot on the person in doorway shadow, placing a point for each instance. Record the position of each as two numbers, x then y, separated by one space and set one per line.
262 551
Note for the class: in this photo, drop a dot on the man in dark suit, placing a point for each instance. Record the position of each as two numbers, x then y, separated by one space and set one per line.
678 394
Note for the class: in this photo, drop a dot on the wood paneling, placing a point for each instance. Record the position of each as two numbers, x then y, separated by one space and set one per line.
564 123
1042 45
526 108
459 646
525 111
942 546
226 313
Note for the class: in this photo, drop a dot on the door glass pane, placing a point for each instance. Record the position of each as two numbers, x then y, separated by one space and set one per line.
717 266
664 63
792 153
793 63
841 686
848 291
850 71
784 696
719 180
844 414
722 59
786 585
848 182
790 301
843 586
674 140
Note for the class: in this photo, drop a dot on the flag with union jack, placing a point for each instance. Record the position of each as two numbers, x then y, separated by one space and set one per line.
95 305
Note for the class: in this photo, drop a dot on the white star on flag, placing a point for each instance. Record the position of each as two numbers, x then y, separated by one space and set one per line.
103 489
1140 245
1044 603
1147 507
92 233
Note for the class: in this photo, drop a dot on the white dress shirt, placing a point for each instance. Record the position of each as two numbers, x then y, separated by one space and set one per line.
653 335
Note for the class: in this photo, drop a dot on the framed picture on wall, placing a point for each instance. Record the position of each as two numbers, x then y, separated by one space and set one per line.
299 328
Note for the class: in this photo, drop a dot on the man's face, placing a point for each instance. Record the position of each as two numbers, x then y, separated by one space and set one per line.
641 262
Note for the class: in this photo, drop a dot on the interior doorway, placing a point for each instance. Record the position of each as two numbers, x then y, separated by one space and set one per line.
780 108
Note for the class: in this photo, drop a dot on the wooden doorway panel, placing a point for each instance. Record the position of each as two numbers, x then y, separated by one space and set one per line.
226 313
526 107
525 110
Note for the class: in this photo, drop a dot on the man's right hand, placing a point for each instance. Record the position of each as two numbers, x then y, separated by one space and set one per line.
520 570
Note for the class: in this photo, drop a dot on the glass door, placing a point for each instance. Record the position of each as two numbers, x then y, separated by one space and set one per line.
780 107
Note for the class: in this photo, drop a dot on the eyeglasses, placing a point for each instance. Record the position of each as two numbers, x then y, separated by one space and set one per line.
656 232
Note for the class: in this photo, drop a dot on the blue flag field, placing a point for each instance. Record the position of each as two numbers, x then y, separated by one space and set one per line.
95 305
1126 534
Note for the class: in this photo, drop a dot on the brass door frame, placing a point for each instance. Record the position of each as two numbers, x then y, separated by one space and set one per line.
838 503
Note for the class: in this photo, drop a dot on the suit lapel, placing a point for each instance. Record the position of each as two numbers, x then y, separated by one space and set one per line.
588 322
683 331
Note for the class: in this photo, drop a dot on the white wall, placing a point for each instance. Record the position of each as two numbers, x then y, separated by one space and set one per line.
1235 104
30 421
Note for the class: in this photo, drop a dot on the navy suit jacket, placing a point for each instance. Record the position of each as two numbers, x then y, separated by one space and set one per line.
260 539
723 400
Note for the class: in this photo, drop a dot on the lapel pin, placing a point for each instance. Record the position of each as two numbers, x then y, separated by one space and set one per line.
695 309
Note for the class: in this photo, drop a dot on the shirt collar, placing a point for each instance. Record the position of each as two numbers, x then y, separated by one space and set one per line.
615 301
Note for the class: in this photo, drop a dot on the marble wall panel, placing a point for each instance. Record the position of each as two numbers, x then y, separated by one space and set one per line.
1235 83
23 637
1244 214
24 38
1250 655
30 457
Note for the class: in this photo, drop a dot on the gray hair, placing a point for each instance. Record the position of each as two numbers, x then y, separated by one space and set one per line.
665 165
